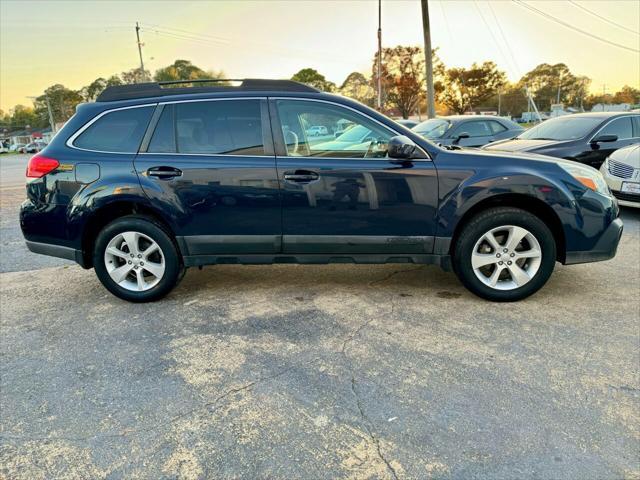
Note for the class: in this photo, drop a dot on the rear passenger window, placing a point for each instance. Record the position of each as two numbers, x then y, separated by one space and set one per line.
120 131
231 127
164 136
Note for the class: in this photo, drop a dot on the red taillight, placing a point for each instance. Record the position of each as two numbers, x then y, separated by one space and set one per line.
40 165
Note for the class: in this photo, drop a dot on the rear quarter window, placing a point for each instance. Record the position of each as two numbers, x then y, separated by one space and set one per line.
120 131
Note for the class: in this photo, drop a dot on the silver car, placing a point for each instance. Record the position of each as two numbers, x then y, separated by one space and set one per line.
467 130
621 170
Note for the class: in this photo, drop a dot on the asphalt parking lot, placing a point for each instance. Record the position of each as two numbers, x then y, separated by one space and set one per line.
338 371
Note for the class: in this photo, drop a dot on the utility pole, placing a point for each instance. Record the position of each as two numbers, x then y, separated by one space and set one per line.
140 50
431 108
51 122
499 100
380 55
559 86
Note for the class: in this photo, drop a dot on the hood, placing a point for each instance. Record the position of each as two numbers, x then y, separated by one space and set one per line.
522 145
534 157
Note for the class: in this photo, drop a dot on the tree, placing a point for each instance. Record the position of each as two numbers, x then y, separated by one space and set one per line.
544 81
402 77
314 79
184 70
95 88
22 116
135 75
627 95
357 86
63 103
467 88
114 80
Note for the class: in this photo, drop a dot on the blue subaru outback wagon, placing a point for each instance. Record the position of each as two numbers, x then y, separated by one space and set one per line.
153 178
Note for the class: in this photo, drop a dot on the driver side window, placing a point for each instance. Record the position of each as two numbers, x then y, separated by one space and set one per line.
318 129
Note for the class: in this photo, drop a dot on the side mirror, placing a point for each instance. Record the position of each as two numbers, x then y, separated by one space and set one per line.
605 138
459 137
401 147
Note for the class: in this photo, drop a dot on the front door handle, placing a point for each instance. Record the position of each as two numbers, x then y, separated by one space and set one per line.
301 176
164 172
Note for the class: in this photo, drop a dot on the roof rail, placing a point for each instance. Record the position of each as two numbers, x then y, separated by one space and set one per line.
158 89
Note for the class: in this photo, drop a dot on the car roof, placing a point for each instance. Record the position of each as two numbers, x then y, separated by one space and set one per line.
170 89
602 115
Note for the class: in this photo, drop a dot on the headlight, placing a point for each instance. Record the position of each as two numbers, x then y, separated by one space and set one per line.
587 176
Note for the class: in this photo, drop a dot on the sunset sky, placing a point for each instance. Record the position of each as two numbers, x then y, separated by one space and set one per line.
73 43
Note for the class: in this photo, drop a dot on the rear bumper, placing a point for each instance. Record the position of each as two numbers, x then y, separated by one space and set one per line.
604 249
56 251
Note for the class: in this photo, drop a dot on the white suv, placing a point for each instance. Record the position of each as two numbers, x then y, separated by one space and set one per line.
621 170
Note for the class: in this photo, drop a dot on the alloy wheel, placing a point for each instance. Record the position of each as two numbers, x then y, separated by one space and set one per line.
134 261
506 257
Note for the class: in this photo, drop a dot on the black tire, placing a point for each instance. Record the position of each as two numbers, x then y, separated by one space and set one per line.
174 269
482 223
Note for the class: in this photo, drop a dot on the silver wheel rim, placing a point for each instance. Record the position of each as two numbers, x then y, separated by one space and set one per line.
134 261
506 258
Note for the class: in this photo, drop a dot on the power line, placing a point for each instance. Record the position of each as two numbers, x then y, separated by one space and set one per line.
568 25
507 43
495 40
600 17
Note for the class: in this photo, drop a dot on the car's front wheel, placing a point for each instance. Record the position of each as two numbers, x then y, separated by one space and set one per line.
504 254
136 259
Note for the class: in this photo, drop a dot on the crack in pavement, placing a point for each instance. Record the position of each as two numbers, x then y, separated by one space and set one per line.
124 433
368 423
393 274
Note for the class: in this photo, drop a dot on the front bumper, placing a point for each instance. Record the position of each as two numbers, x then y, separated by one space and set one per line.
604 249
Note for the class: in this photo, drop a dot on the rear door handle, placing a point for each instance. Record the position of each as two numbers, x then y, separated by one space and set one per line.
164 172
301 176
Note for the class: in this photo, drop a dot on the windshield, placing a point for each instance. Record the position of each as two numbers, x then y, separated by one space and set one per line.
354 134
561 128
433 128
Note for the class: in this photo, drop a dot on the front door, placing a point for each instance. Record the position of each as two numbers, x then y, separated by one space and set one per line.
340 191
597 152
209 166
479 133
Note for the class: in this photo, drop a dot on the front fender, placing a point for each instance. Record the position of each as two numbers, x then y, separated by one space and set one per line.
469 180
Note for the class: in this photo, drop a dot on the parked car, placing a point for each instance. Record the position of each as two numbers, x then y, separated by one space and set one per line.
15 147
587 138
4 147
407 123
33 147
317 130
621 170
467 130
148 181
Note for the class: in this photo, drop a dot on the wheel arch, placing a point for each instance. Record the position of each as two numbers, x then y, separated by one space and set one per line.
528 203
109 212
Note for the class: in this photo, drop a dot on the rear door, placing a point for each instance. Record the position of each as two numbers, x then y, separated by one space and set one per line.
209 166
341 193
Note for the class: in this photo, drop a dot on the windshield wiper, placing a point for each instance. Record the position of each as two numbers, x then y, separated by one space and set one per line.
542 138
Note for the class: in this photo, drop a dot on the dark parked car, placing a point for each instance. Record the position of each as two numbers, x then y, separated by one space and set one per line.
587 138
149 180
467 130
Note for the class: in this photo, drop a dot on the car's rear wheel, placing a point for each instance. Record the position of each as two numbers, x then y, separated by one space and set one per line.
136 259
504 254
